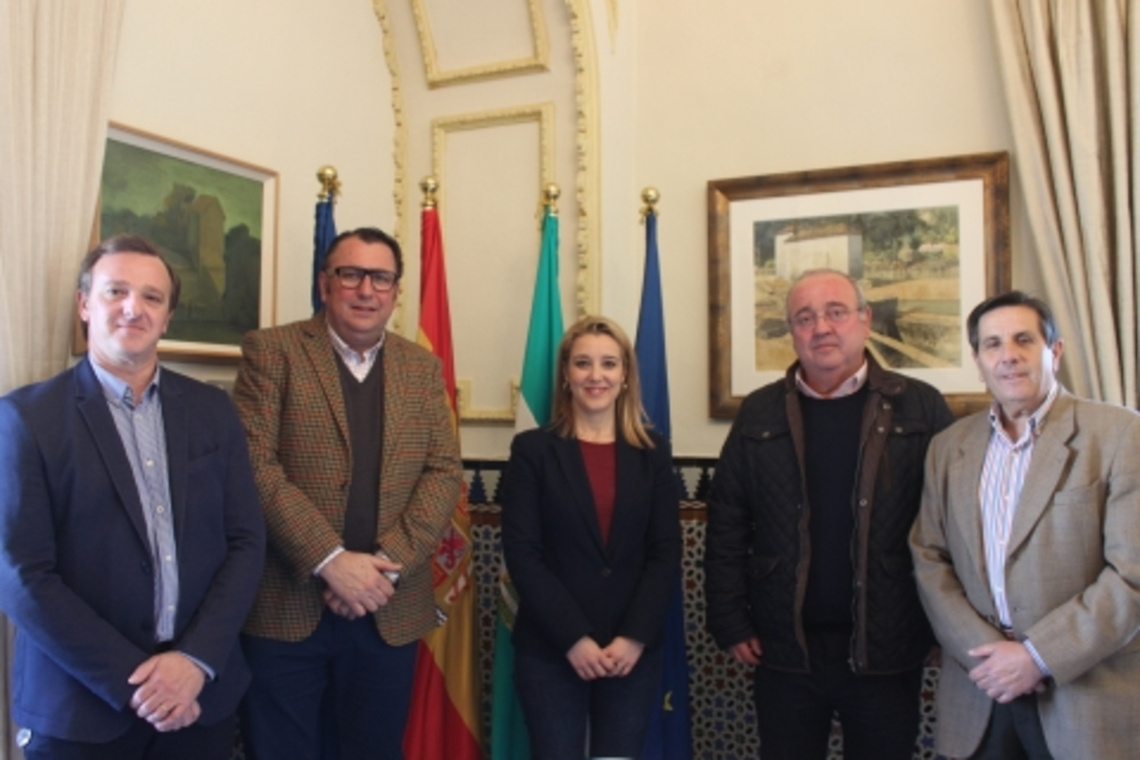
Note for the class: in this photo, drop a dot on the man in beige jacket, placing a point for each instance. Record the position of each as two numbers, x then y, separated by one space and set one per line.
1027 554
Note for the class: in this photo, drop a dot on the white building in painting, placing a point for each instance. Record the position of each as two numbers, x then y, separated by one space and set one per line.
800 248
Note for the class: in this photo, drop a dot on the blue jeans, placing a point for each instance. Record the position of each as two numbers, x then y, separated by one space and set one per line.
341 694
559 706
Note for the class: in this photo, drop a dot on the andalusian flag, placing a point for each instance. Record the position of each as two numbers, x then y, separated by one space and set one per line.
324 232
445 719
509 740
670 734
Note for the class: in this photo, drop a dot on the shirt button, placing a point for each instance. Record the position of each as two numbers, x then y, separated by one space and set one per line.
160 509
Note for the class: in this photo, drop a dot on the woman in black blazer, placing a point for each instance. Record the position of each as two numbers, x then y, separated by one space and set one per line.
592 541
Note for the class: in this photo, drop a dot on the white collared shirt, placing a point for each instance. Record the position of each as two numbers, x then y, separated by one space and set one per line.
847 388
357 363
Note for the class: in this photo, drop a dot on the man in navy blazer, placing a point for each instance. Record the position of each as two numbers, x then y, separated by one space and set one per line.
131 536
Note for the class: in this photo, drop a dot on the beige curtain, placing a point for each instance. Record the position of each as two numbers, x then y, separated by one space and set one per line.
1073 87
57 60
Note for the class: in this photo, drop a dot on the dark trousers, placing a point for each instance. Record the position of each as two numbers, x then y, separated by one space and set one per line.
560 708
1014 733
341 694
142 742
880 714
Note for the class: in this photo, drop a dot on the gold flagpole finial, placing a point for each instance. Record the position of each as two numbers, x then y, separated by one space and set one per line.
330 185
430 186
650 196
550 195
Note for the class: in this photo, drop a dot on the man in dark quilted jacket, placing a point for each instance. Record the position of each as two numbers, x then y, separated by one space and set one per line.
808 574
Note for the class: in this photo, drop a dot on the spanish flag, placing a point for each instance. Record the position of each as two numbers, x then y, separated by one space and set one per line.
445 719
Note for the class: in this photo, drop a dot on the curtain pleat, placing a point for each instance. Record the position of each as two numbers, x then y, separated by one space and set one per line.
57 61
1071 97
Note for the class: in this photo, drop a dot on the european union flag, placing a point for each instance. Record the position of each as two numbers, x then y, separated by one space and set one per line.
323 234
670 734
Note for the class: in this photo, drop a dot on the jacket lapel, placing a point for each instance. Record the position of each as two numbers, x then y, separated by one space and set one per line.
578 484
1050 459
318 348
631 483
965 474
101 426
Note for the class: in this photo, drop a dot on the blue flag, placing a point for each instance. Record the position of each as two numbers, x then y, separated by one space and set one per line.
323 234
670 734
651 337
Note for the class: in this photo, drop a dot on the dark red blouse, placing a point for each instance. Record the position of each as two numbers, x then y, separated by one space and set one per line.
601 467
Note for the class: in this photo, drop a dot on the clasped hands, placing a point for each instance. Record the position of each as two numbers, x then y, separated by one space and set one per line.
1006 672
356 584
168 688
616 660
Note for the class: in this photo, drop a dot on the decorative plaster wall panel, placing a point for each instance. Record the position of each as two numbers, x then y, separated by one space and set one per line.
450 26
491 167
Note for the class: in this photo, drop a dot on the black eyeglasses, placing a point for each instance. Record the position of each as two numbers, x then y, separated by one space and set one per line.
383 280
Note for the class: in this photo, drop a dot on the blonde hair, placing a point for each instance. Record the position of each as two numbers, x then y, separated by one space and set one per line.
629 414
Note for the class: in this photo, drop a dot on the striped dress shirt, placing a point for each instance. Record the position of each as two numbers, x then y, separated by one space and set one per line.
1003 475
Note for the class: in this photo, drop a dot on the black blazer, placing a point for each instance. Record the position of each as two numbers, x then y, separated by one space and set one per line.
569 583
76 574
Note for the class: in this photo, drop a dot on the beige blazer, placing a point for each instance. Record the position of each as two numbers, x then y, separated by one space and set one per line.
1072 577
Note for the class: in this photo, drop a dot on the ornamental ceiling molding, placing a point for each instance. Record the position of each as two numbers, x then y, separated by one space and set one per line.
399 138
587 188
538 61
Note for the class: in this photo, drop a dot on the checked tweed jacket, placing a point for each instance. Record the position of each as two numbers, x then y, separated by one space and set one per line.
289 396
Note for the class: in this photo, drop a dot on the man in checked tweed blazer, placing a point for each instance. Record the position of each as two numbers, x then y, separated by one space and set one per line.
359 472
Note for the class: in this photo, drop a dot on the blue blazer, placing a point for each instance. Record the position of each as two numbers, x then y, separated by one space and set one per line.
569 583
76 574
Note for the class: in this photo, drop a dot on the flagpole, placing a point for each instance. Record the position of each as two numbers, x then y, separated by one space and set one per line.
444 718
430 186
509 738
670 729
650 196
330 185
550 195
324 230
